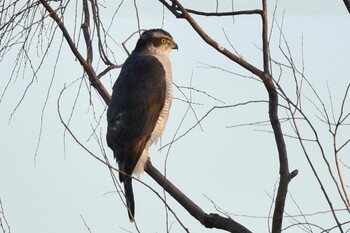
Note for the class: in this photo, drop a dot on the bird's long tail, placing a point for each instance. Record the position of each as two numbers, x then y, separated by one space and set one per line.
129 196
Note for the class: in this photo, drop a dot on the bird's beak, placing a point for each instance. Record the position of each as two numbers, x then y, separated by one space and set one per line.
175 46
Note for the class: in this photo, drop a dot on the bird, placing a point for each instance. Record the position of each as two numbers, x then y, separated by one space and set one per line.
139 107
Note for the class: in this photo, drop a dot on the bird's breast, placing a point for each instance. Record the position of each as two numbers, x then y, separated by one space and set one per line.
163 116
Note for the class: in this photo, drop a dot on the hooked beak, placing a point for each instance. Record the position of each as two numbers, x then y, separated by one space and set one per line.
175 46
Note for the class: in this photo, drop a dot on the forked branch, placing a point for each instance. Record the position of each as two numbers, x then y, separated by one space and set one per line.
285 176
94 80
208 220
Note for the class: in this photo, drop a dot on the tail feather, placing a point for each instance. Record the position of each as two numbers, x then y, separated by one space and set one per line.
127 181
129 196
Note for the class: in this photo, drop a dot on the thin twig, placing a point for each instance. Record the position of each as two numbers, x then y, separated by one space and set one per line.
94 80
85 224
5 226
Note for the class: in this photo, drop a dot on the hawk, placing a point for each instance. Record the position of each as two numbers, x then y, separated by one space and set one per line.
139 107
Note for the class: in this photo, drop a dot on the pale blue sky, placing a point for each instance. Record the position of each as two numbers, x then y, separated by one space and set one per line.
235 167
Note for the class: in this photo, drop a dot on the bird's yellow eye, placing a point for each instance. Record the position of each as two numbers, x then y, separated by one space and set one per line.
163 40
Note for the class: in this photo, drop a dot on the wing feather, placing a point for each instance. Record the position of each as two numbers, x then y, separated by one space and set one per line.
137 100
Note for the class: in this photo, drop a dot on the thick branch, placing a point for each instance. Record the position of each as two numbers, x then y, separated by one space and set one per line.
265 42
230 13
86 32
96 83
180 12
347 4
285 175
208 220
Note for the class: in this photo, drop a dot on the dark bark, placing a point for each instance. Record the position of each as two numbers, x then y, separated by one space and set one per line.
208 220
347 4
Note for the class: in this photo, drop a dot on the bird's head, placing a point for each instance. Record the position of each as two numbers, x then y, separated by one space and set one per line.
156 41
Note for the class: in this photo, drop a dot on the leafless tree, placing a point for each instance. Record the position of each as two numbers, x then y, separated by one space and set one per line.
36 23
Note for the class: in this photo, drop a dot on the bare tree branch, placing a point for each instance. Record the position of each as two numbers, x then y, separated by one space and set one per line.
347 4
5 227
208 220
86 32
94 80
92 29
285 175
179 11
230 13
